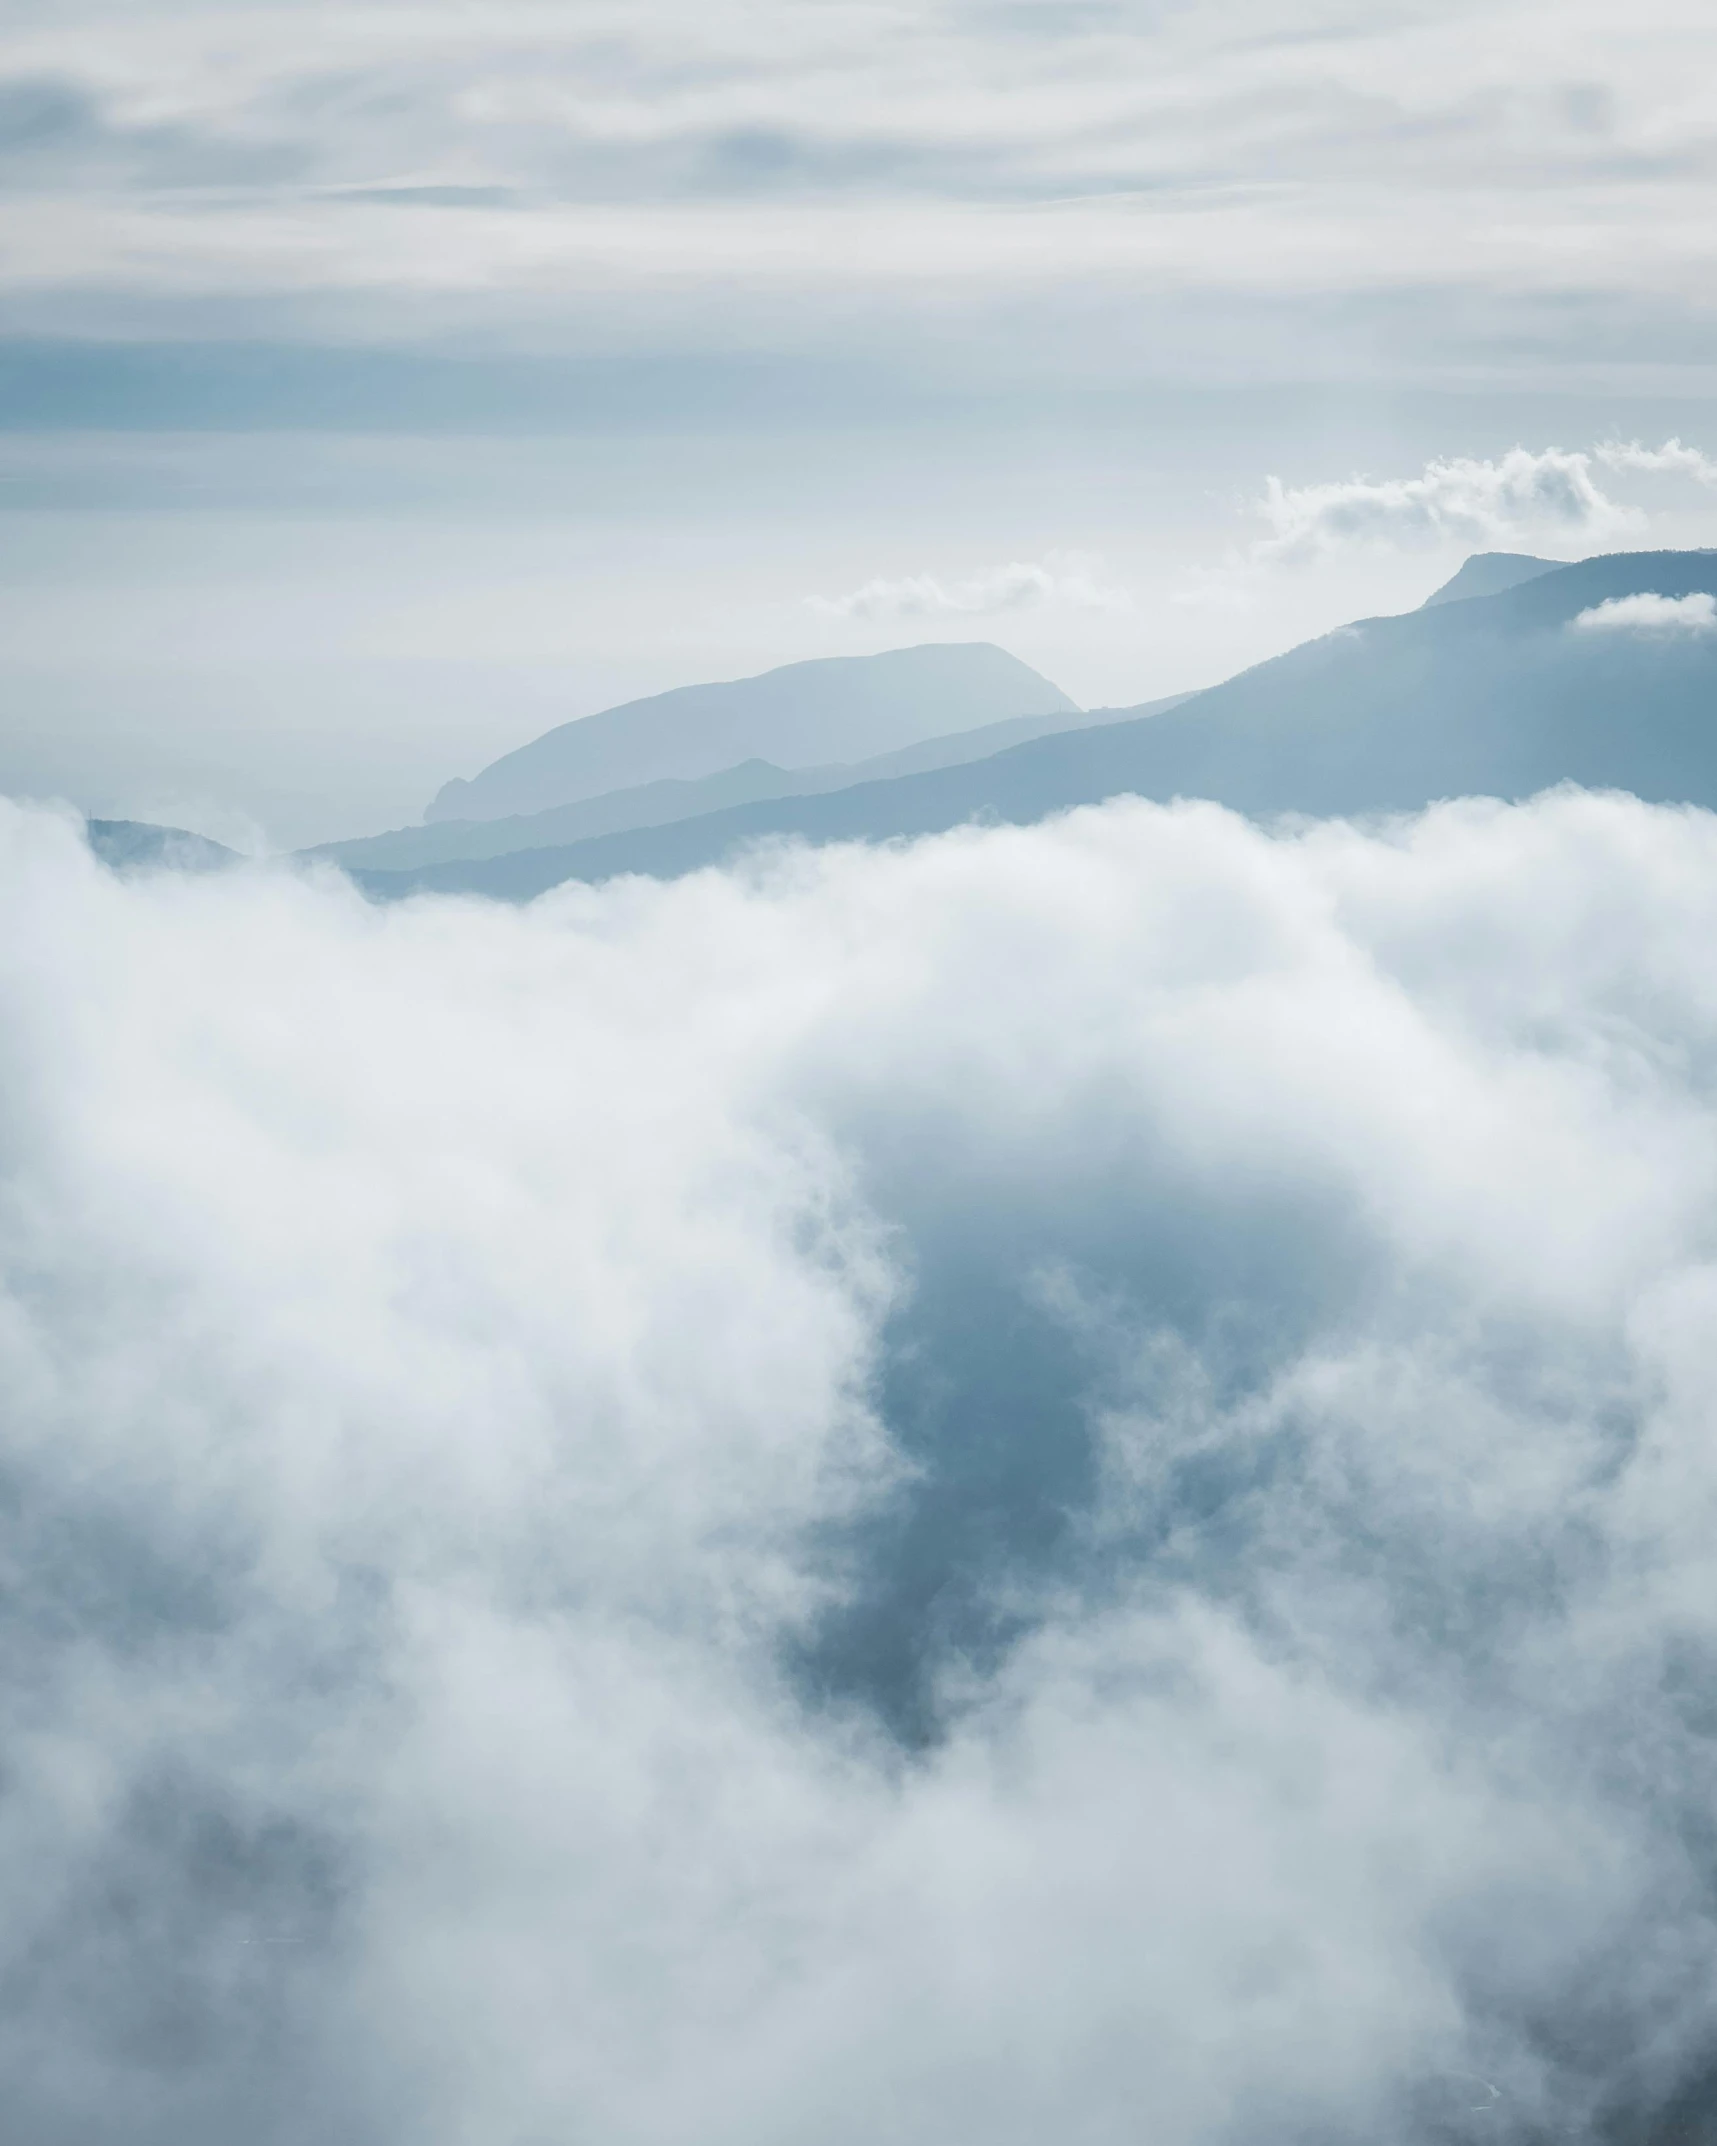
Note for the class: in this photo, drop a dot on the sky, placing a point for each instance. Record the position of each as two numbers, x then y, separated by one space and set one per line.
383 384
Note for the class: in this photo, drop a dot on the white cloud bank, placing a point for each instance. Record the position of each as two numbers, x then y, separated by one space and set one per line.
448 1352
1651 614
1067 578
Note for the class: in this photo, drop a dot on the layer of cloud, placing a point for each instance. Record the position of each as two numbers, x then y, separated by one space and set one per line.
1067 578
973 1492
1651 614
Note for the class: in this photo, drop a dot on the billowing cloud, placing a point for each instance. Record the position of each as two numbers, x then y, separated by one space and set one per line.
1652 614
951 1493
1672 459
1069 578
1461 501
1519 497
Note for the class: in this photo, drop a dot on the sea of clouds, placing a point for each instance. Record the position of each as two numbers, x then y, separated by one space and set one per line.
1056 1484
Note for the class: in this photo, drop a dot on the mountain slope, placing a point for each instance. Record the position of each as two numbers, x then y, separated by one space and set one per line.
1502 695
132 845
837 708
655 804
1488 573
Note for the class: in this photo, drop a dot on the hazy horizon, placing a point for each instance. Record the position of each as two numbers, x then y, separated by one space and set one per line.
408 380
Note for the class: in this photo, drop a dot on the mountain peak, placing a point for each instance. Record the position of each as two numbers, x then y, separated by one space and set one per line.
129 845
1488 573
833 708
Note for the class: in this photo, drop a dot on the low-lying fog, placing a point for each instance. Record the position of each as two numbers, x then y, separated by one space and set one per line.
1053 1485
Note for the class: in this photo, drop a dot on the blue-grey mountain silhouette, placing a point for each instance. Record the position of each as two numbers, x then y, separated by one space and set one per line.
1488 573
1494 695
655 804
836 708
137 845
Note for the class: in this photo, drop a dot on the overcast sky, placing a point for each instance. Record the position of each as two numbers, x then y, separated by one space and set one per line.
382 384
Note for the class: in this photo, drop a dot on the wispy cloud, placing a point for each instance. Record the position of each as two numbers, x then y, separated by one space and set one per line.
1671 459
1061 577
1652 614
1519 497
1460 500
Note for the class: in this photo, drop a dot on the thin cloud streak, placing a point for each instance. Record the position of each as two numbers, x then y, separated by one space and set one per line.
1064 578
1650 614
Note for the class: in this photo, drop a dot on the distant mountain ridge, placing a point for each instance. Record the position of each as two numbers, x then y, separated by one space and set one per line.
833 709
657 804
1488 573
133 845
1489 695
